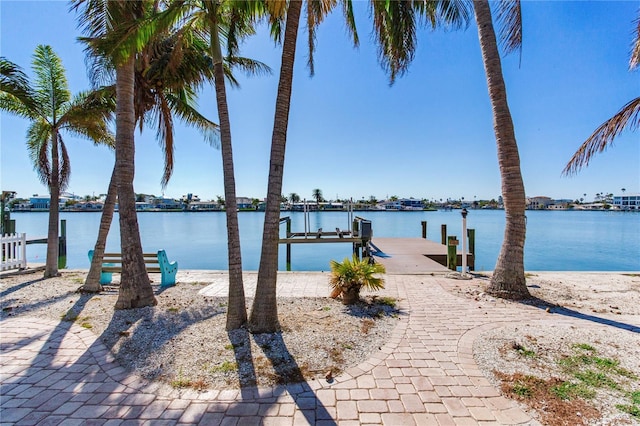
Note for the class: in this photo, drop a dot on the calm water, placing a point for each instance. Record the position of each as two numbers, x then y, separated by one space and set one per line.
556 240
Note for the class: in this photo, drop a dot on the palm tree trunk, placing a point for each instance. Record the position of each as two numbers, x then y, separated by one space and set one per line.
264 313
508 278
135 287
237 311
92 283
51 267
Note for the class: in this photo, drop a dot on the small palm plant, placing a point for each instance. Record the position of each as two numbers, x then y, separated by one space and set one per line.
349 276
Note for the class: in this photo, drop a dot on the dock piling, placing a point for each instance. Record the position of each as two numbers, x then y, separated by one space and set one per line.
424 229
443 234
62 245
452 261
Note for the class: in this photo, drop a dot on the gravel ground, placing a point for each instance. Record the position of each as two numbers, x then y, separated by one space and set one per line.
508 355
182 341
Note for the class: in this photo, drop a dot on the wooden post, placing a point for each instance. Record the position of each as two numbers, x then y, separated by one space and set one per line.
443 234
471 233
424 229
62 245
288 261
452 246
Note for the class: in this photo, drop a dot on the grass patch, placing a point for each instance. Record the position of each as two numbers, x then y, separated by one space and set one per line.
225 367
584 346
173 310
523 351
633 410
568 390
229 346
86 325
326 308
387 301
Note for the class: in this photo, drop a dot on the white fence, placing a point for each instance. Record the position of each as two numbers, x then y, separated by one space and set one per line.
14 251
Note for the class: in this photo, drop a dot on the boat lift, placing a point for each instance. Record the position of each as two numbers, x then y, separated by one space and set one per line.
359 234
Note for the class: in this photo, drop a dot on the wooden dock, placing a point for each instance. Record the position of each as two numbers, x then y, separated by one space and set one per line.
412 255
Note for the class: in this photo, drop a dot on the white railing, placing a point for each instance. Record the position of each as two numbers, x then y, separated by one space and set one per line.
14 251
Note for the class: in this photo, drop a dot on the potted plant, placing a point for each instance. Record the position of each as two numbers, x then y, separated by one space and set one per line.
349 276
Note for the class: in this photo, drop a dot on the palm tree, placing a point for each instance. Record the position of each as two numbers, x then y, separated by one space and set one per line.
264 312
508 279
225 22
317 195
395 32
112 27
166 76
603 136
49 105
294 198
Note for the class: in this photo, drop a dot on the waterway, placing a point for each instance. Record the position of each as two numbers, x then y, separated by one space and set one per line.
556 240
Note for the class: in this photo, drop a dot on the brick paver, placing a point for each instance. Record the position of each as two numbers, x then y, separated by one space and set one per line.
60 373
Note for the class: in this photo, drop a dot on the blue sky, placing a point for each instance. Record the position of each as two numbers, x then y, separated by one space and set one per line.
352 135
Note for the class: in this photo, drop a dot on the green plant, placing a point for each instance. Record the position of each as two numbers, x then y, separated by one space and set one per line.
521 390
349 276
225 367
634 410
388 301
569 390
595 379
584 346
173 310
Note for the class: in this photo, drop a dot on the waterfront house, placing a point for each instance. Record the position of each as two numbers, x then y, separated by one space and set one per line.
627 202
41 202
538 203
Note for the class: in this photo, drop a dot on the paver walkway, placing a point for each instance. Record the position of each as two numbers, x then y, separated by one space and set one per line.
59 373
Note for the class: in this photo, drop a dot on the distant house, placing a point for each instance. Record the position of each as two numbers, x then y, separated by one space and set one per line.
244 202
539 203
42 202
627 202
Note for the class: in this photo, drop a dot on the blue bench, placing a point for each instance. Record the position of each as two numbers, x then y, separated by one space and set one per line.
153 262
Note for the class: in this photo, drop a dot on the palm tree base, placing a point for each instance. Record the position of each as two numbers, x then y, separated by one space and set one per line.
350 296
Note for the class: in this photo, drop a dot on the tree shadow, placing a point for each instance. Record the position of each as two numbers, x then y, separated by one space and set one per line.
561 310
374 307
19 287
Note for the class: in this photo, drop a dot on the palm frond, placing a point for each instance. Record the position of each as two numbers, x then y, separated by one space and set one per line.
635 47
250 67
349 18
13 105
38 143
603 136
317 10
51 86
190 116
164 132
65 165
395 32
455 14
14 82
510 23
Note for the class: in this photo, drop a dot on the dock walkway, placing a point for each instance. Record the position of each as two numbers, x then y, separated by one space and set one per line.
410 255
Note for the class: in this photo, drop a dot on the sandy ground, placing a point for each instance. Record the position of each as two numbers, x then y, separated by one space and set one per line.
610 302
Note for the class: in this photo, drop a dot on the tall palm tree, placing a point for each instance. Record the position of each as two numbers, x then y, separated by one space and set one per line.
508 279
603 136
395 32
264 312
47 102
113 31
166 76
225 22
294 198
